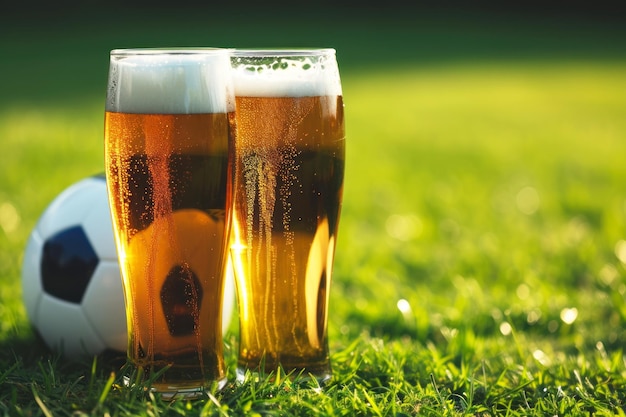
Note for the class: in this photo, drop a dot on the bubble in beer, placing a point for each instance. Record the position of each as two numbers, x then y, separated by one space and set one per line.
186 82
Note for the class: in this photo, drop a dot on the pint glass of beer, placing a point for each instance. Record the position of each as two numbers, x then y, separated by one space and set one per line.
288 173
168 153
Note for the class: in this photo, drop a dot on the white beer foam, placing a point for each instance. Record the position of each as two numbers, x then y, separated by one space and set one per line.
286 77
170 82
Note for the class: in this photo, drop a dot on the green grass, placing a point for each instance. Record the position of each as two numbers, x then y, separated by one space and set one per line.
481 261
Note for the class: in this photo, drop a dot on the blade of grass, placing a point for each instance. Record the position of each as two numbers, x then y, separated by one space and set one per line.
40 403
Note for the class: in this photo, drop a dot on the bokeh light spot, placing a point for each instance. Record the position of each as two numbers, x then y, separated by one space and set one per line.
553 326
533 316
620 251
9 217
608 274
527 200
541 357
569 315
523 291
403 227
404 306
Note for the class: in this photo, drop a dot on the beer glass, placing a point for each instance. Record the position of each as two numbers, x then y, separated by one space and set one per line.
167 155
288 173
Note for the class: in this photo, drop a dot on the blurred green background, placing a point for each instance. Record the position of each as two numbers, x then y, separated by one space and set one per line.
485 184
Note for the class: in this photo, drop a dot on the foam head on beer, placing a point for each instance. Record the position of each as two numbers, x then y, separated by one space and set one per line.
286 73
191 81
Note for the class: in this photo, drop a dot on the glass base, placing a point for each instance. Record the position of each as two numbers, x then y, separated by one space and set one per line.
183 391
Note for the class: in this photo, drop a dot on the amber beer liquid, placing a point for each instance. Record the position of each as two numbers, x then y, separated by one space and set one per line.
289 171
167 167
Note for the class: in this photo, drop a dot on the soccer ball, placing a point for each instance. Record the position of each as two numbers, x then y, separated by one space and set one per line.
71 284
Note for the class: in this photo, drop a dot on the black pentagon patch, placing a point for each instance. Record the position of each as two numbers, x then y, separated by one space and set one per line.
67 264
181 296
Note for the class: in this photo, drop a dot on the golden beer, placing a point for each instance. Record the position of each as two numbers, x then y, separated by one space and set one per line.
289 170
167 174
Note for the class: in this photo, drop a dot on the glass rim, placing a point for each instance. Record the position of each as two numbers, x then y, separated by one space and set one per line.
281 52
192 50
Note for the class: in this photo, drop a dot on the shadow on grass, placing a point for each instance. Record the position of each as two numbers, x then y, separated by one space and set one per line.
29 351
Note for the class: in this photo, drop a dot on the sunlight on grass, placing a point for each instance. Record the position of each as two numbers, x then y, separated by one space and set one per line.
465 183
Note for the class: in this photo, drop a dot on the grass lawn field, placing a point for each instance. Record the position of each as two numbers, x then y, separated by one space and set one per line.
481 261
